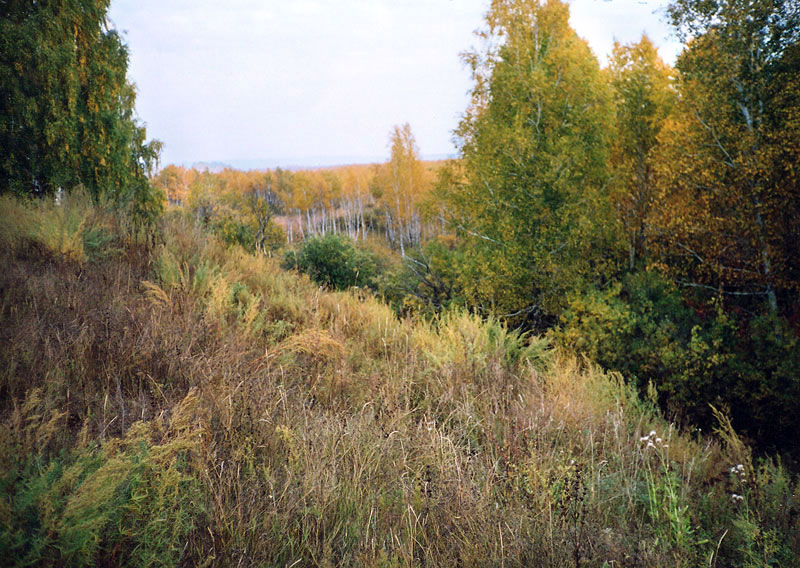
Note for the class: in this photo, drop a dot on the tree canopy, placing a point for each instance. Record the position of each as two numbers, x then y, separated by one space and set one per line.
66 108
644 95
729 153
535 145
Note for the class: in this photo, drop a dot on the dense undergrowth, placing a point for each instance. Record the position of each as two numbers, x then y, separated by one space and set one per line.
172 401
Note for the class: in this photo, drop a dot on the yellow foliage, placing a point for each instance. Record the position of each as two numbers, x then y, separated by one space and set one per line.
316 343
156 294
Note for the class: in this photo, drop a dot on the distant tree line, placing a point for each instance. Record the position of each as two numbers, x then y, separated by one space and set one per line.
381 201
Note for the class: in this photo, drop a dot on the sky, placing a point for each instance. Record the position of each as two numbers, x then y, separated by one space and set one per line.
265 83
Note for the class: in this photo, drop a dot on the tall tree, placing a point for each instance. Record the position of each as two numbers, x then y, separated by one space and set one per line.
644 94
263 203
402 184
174 181
730 154
67 110
533 207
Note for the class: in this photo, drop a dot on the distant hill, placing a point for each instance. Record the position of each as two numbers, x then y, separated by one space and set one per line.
213 167
301 163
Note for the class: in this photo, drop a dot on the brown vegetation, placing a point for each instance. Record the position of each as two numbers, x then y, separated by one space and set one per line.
188 403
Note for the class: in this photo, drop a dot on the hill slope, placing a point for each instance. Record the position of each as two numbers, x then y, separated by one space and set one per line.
177 402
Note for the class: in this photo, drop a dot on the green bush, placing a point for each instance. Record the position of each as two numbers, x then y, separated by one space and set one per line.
130 502
427 280
695 354
234 232
333 261
765 382
639 327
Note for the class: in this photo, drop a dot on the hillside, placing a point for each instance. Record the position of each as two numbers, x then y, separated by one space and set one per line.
170 401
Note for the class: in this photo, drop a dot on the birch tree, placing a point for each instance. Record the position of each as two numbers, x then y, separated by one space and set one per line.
730 154
533 208
644 95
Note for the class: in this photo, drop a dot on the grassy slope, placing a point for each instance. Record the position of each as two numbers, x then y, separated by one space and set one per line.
187 404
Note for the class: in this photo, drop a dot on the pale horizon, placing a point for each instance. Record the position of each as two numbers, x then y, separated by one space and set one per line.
310 81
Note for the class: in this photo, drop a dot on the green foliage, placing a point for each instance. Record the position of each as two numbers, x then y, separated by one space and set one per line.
765 382
64 225
638 327
643 98
100 242
427 281
234 232
665 503
194 404
532 203
759 500
335 262
236 208
644 328
73 226
67 108
758 511
131 502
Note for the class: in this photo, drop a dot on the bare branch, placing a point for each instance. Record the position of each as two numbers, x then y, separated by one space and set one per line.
478 235
524 311
720 290
729 162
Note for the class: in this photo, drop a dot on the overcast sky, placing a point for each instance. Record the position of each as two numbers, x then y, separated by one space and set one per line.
258 83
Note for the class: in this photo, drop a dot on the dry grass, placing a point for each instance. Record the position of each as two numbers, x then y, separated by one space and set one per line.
190 404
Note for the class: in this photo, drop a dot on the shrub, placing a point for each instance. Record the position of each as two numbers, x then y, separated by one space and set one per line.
135 501
427 281
643 328
334 261
273 238
234 232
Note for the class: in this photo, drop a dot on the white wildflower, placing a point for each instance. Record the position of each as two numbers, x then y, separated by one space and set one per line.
739 471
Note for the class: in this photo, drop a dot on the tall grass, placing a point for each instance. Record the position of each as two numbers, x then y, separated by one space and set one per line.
193 404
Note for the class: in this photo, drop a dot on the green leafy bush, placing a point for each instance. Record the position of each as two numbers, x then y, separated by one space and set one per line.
131 502
427 280
234 232
694 356
333 261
